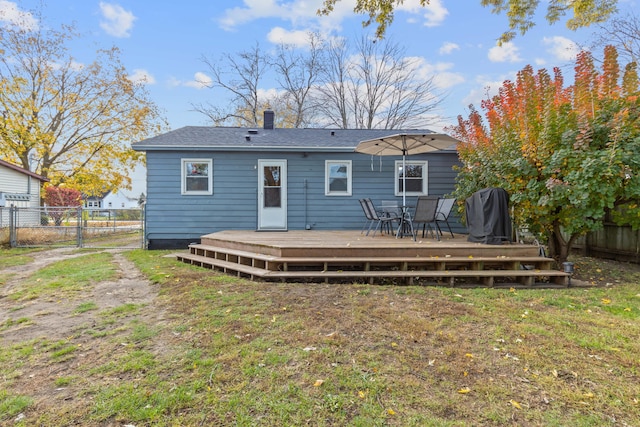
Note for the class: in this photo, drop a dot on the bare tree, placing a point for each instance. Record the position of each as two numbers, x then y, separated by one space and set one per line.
297 75
240 75
623 32
378 87
332 99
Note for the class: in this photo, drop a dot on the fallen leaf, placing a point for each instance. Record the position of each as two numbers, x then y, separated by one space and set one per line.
515 404
318 383
464 390
391 412
606 301
469 355
309 349
627 309
361 394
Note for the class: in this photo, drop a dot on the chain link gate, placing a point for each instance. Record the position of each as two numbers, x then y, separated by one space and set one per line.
61 226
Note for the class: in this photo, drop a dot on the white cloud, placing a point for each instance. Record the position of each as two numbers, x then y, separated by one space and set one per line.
142 76
508 52
73 65
279 35
298 13
200 81
440 72
12 15
562 48
448 47
434 13
540 62
117 22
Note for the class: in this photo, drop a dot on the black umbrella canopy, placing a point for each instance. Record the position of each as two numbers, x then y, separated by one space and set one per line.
406 144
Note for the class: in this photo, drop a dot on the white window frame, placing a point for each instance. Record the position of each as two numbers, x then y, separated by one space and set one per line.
183 168
425 174
327 177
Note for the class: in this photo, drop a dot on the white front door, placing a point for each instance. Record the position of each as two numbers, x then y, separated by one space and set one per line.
272 195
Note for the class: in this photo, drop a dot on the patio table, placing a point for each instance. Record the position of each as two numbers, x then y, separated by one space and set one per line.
406 223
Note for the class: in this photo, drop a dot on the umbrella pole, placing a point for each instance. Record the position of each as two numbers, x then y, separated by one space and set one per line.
404 182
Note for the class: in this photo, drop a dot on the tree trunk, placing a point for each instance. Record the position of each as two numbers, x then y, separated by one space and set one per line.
559 247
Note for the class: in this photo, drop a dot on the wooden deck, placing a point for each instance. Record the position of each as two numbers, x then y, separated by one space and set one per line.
348 256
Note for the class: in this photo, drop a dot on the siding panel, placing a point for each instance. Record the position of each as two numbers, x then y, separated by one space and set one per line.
233 204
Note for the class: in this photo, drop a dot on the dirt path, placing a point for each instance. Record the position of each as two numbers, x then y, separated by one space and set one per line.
56 319
95 336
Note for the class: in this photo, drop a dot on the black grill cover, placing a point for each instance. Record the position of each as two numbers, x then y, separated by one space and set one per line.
488 218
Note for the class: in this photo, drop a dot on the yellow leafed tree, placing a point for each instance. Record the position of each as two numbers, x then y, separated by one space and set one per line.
520 13
68 121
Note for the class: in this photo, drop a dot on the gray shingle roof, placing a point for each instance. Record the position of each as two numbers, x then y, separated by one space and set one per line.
233 138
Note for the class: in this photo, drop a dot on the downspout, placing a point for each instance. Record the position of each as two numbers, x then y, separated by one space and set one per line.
307 226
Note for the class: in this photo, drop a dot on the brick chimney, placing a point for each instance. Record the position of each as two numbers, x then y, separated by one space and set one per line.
269 118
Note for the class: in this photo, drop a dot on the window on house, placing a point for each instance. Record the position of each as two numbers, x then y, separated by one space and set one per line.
197 176
415 177
338 178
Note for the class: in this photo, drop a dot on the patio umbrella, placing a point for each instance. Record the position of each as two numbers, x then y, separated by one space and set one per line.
405 144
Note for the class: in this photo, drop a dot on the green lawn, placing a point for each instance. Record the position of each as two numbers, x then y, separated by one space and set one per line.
219 350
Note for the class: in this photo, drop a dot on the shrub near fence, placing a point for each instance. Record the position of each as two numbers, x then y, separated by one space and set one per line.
74 226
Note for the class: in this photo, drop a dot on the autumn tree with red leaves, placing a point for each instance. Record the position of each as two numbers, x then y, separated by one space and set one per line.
60 201
568 156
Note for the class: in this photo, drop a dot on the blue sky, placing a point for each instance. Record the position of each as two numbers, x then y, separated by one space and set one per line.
164 42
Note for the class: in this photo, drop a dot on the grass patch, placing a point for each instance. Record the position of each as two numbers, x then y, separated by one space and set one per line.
85 306
66 279
12 405
14 322
17 256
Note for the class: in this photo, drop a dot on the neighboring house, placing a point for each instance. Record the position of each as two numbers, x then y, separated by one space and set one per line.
111 200
20 188
206 179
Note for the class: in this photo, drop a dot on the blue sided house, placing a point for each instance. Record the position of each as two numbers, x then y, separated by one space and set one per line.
203 179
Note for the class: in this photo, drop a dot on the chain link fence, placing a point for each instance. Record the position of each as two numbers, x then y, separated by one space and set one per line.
73 226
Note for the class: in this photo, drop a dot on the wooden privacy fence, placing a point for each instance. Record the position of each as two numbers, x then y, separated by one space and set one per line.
617 242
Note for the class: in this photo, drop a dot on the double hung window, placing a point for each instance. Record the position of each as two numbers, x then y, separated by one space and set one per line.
337 178
414 176
197 176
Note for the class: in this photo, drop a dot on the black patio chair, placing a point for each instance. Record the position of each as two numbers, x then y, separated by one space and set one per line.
442 214
368 216
379 218
425 214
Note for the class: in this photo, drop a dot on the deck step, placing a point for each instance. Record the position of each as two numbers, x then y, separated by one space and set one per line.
262 267
324 263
